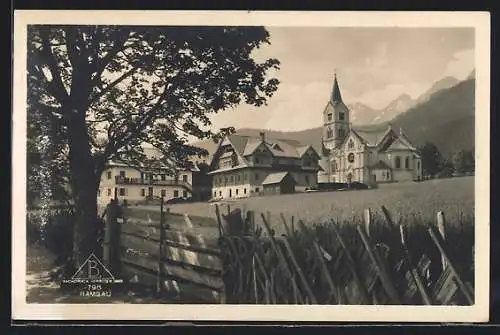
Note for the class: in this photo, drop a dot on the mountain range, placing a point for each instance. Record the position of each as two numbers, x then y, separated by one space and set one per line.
444 115
362 114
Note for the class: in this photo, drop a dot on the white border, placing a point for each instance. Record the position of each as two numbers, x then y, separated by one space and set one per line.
477 313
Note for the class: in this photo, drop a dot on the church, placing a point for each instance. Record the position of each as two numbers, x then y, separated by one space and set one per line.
370 156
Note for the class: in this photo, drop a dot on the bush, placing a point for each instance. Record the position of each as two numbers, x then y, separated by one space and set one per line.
52 229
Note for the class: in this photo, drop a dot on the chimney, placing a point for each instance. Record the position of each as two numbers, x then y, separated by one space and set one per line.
262 136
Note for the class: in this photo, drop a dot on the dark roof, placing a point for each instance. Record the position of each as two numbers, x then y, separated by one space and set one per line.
245 145
336 96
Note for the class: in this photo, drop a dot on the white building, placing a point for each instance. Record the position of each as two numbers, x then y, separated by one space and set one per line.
368 156
244 166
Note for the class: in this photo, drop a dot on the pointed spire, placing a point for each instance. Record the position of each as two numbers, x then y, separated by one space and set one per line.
336 96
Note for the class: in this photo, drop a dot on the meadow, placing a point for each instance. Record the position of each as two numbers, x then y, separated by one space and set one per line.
418 201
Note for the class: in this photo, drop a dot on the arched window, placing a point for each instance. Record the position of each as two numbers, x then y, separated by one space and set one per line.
397 162
329 133
350 158
329 116
350 145
407 162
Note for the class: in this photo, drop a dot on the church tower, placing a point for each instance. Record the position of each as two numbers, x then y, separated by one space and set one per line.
335 119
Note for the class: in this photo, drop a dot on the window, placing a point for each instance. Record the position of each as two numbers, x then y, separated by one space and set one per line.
238 177
307 180
143 192
244 191
350 145
334 166
122 174
231 178
256 190
350 158
163 177
236 191
341 132
220 193
397 162
418 165
108 174
341 116
184 178
122 192
109 192
407 162
329 116
215 194
185 193
329 133
142 175
163 193
176 193
257 160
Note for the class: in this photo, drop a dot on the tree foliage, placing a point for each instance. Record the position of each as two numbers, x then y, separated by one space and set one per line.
463 161
432 160
101 92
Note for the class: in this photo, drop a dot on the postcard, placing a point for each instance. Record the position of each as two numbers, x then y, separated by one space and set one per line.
251 166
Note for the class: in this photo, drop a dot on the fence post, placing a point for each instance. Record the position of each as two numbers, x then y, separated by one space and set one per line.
255 280
111 250
441 222
159 286
368 221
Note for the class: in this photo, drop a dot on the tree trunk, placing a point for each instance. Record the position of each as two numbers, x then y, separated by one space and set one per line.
85 181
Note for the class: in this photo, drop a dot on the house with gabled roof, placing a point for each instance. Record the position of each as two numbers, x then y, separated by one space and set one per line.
242 166
146 181
369 155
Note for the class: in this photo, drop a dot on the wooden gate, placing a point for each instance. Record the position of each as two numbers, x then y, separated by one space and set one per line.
175 254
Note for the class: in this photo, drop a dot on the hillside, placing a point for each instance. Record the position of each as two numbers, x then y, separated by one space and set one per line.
446 118
362 114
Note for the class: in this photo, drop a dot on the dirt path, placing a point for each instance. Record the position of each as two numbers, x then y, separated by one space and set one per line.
40 289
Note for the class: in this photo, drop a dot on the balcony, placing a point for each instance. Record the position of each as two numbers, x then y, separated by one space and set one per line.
119 180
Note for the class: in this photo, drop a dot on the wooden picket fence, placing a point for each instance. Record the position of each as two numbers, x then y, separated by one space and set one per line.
173 255
237 258
366 263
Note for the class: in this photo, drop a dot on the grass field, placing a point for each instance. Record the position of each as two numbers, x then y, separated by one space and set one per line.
419 200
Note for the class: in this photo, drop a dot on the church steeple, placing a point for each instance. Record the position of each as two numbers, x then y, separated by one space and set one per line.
336 96
335 118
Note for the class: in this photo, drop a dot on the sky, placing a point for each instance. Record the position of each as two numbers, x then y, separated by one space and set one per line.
374 66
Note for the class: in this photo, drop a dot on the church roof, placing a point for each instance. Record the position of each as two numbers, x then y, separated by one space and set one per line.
399 144
371 136
336 96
